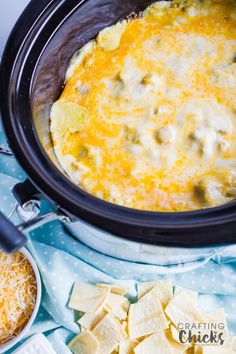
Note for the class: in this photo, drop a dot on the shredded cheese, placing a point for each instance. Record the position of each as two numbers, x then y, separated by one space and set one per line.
18 291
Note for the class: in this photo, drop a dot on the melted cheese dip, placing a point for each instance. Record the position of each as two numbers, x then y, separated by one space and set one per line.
147 118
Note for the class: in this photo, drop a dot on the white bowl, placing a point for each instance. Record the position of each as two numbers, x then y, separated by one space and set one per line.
6 346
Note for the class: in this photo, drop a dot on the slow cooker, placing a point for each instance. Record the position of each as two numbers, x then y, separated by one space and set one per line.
32 75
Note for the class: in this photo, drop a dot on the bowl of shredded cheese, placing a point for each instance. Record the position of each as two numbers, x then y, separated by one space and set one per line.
20 295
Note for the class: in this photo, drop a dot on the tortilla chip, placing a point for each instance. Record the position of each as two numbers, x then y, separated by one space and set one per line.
165 286
117 305
154 344
67 117
109 334
183 309
90 320
84 343
127 346
177 346
164 296
115 288
88 298
109 39
179 289
146 317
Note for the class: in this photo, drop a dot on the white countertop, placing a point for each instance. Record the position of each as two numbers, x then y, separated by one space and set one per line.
9 13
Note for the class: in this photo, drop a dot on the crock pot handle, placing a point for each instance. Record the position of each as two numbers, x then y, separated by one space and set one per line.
11 238
27 194
5 151
24 192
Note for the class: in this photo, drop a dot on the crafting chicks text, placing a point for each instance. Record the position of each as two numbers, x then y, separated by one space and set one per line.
198 333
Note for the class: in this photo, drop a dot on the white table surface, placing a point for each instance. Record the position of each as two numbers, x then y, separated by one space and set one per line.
9 12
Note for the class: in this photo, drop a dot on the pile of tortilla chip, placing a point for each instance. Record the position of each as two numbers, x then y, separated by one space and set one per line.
111 324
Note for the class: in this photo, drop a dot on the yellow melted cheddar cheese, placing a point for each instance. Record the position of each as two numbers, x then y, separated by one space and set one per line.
147 118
